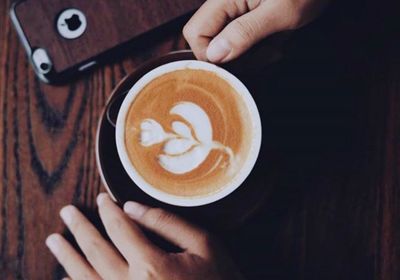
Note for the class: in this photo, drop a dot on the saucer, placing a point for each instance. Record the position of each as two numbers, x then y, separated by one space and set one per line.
225 214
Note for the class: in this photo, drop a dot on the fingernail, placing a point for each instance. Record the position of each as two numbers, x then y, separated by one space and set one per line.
101 198
218 49
52 242
135 210
66 214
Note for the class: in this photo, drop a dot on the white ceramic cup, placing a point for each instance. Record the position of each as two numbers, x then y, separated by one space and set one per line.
237 179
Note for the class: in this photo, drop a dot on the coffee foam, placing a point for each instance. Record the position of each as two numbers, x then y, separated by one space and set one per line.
189 136
183 150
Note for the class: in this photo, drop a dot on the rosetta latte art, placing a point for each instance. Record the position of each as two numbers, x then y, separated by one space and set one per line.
190 142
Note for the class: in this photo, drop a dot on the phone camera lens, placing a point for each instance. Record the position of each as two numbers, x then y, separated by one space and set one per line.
42 61
44 66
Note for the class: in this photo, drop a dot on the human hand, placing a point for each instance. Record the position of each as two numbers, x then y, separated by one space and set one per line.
132 255
222 30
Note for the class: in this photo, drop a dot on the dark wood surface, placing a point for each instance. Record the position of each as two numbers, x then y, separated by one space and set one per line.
332 111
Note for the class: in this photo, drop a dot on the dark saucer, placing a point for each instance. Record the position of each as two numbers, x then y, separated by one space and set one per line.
225 214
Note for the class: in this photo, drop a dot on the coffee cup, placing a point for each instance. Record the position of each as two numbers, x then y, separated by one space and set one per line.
188 133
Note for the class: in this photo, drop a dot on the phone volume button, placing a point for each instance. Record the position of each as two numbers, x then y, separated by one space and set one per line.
87 65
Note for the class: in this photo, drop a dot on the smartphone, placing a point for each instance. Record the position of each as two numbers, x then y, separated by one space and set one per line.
65 37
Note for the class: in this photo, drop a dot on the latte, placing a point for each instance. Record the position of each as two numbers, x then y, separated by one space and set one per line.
189 133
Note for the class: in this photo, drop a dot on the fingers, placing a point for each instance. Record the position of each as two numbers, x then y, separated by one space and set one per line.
199 31
221 30
210 19
169 226
100 254
245 31
126 236
74 264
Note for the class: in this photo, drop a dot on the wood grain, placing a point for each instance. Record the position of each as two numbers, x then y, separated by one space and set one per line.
334 108
47 153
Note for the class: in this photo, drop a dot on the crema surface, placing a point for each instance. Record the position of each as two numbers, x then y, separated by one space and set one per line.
188 133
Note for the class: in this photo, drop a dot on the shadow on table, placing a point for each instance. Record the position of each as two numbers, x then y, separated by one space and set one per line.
312 125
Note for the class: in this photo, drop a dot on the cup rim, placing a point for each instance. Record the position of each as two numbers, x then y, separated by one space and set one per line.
239 178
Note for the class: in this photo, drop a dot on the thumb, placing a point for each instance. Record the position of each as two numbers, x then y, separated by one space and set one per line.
169 226
243 32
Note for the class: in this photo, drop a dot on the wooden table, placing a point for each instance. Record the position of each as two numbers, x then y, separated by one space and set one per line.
333 110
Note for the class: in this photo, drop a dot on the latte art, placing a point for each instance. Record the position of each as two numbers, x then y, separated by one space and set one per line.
189 144
188 133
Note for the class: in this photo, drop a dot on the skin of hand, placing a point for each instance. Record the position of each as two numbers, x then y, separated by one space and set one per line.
222 30
130 254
